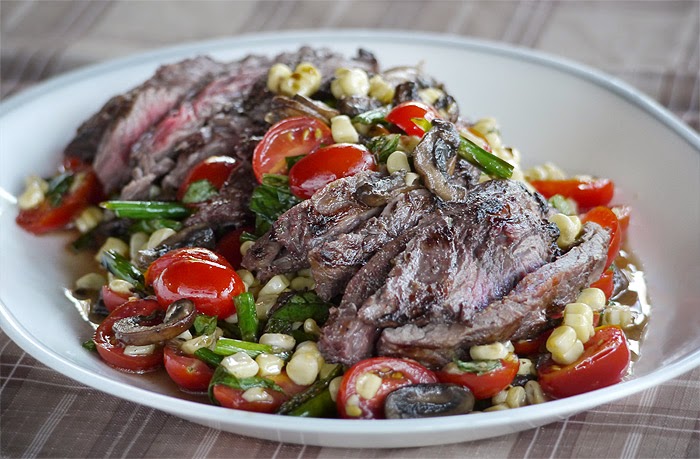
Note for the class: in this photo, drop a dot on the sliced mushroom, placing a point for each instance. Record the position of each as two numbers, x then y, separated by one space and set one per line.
428 400
435 159
287 107
200 235
179 317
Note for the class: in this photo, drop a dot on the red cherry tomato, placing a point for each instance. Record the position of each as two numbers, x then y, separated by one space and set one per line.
233 398
111 350
313 172
607 219
188 372
623 214
586 193
84 190
394 373
290 137
533 345
606 282
215 169
604 362
112 299
211 286
484 385
402 115
229 246
186 253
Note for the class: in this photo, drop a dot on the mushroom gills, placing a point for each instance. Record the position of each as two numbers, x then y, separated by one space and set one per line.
428 400
178 317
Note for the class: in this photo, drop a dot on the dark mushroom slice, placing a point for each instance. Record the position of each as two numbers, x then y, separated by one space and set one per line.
428 401
288 107
199 235
179 317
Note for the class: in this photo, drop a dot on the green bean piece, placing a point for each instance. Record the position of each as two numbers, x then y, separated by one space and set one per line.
376 115
208 356
142 210
247 316
312 392
297 308
489 163
320 406
229 346
122 268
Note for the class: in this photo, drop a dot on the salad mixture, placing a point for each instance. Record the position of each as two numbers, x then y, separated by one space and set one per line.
311 235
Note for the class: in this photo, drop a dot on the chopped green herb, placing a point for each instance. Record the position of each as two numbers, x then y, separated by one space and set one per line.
479 367
422 123
122 268
90 345
563 205
383 146
292 160
58 187
204 324
270 200
247 316
199 191
377 115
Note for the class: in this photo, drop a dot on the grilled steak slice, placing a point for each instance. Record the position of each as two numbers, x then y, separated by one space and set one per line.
475 254
436 159
337 209
152 155
334 262
519 314
345 338
108 135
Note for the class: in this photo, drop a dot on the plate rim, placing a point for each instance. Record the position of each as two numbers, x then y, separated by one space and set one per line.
559 409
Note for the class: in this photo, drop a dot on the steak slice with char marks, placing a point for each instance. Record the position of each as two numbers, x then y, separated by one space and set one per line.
334 262
474 255
520 314
338 208
108 135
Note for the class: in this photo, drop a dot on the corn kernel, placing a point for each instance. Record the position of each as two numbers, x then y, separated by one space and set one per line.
334 387
303 368
619 315
202 341
593 297
533 393
240 365
569 228
305 81
91 281
367 385
411 179
499 407
245 246
302 283
350 82
158 237
397 161
120 286
430 95
277 73
380 89
311 327
137 242
342 130
88 219
247 277
280 340
275 286
352 406
257 394
526 367
516 397
133 351
491 351
269 364
114 244
34 192
500 397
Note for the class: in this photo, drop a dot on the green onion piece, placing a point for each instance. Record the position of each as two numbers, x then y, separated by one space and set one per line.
204 324
297 308
422 123
208 356
479 367
223 377
122 268
90 345
563 205
229 346
199 191
313 391
247 316
487 162
320 406
58 186
383 146
374 116
146 209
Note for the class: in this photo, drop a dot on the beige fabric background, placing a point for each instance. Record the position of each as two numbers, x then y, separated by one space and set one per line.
652 45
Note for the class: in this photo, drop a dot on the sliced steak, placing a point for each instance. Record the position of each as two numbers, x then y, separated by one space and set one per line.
108 136
436 159
153 154
334 262
521 313
475 254
339 208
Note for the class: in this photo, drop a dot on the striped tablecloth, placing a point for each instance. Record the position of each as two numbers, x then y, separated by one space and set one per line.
652 45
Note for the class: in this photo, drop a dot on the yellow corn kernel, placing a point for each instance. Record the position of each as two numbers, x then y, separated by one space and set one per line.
593 297
303 368
305 81
202 341
367 385
257 394
334 387
275 286
516 397
491 351
397 161
137 242
526 367
499 407
88 219
245 246
569 228
350 82
380 89
533 393
326 369
91 281
500 397
277 73
342 130
269 365
311 327
352 406
240 365
411 179
617 314
120 286
430 95
247 277
158 237
134 351
263 303
564 345
35 189
546 171
302 283
280 340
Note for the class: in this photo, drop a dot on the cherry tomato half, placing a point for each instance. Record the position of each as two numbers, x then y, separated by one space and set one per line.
290 137
623 214
606 283
607 219
211 286
185 253
604 362
532 346
215 169
394 373
402 115
188 372
586 193
111 350
230 397
314 171
229 246
111 299
84 190
484 385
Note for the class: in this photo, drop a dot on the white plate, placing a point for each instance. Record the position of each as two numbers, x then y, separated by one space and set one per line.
549 108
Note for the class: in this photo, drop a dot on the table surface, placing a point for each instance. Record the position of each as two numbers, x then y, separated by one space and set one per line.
652 45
